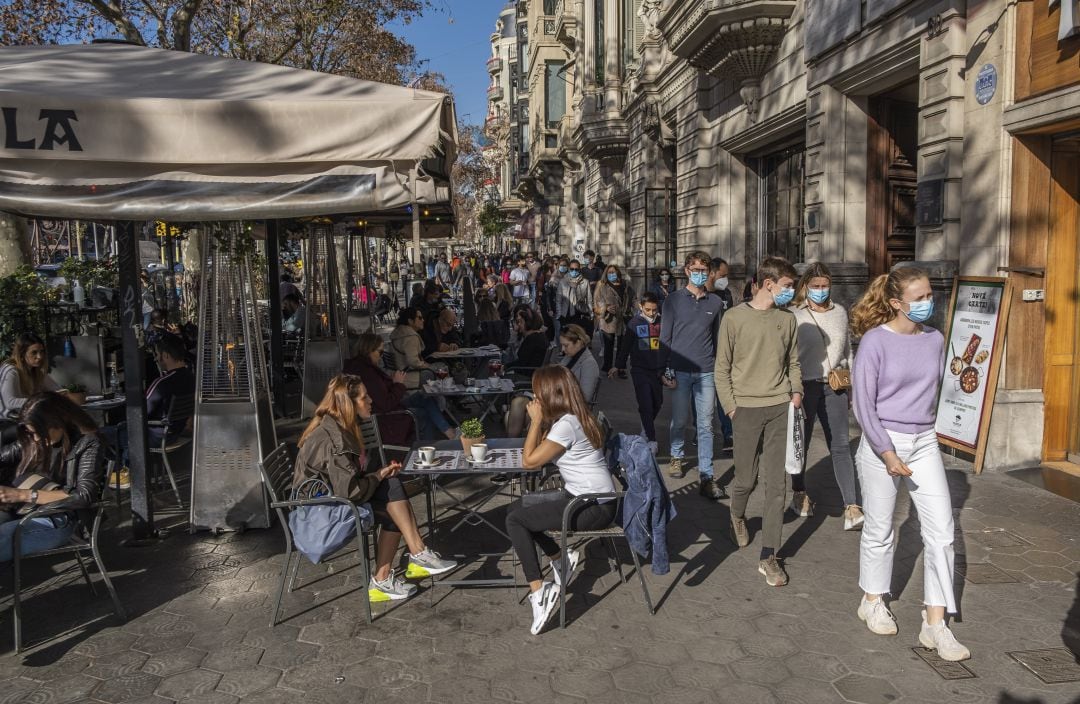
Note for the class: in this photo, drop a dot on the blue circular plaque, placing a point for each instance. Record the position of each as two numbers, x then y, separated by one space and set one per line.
986 84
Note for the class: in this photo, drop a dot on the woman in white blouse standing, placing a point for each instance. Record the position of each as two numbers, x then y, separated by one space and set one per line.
825 345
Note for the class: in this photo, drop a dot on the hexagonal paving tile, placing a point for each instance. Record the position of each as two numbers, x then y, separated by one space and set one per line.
188 684
759 669
61 691
123 688
816 666
583 683
716 650
243 683
866 690
646 679
172 662
120 663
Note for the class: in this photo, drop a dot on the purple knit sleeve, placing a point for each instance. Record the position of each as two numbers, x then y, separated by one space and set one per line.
864 380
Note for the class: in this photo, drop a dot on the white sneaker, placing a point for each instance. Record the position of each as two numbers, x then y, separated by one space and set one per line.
877 616
393 588
562 570
853 517
543 602
427 563
938 637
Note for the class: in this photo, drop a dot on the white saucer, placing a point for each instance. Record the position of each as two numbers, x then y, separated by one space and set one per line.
470 460
420 464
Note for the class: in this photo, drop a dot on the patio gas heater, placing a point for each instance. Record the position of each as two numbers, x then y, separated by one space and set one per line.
234 425
325 329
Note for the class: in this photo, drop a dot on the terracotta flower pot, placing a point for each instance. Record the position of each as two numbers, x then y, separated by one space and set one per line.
467 443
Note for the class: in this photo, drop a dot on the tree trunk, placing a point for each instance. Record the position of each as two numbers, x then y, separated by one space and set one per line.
14 247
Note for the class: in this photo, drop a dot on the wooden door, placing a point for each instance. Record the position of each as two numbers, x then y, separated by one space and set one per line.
1061 375
892 152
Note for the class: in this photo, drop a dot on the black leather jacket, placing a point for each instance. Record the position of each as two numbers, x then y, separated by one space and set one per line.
81 475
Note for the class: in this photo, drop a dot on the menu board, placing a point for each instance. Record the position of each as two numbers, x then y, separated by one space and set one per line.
976 330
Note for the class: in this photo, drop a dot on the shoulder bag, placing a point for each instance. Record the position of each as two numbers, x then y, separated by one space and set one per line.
839 379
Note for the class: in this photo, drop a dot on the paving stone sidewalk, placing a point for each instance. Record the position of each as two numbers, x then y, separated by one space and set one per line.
200 606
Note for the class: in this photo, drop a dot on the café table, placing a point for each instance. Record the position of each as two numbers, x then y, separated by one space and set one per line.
450 461
102 404
486 392
486 352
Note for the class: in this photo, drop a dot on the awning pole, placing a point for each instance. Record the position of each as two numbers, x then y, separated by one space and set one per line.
415 213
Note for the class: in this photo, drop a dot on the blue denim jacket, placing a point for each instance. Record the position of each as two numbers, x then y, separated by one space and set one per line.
647 508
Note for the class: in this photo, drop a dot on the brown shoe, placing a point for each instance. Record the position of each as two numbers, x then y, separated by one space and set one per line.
675 469
739 532
774 573
801 505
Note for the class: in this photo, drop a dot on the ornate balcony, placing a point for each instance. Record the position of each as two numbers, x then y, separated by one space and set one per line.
566 25
602 135
728 38
494 64
495 93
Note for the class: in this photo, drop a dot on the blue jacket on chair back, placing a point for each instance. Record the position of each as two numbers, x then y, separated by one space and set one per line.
647 508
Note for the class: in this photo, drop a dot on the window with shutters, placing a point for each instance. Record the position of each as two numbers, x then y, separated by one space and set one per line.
632 31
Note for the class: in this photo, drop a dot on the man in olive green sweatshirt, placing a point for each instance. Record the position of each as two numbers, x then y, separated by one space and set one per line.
757 374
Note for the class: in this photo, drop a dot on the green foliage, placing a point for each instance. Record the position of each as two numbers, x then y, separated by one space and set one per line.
471 428
91 272
24 300
75 388
492 221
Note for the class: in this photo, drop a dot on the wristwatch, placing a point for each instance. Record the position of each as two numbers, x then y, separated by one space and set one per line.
33 496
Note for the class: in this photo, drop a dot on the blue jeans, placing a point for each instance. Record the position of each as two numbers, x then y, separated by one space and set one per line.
38 535
428 416
701 387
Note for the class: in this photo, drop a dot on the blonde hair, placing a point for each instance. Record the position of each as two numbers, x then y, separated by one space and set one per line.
338 403
575 333
814 271
873 308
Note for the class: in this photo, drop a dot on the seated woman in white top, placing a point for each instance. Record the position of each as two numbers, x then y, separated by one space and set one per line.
26 373
564 432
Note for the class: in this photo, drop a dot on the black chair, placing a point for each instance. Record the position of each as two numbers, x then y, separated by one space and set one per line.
277 475
607 536
83 543
181 408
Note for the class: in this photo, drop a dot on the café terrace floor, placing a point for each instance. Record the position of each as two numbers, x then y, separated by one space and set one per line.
199 611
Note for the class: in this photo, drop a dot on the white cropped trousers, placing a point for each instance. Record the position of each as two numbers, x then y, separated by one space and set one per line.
929 491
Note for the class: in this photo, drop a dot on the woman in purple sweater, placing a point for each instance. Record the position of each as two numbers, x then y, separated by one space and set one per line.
895 384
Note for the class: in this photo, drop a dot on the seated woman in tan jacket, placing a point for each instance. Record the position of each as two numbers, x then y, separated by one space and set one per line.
407 347
332 449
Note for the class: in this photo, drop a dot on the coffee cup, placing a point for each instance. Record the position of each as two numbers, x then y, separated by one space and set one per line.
479 452
427 455
470 381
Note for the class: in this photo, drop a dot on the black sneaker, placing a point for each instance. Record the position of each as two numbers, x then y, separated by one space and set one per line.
729 442
711 490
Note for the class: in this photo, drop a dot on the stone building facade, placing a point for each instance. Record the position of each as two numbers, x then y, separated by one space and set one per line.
859 133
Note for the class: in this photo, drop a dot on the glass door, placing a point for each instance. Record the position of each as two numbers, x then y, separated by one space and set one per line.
659 230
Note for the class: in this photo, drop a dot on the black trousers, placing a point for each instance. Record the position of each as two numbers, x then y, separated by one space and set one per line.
609 350
526 526
650 398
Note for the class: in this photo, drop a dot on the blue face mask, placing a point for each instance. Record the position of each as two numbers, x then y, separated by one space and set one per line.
818 295
784 297
698 278
574 273
562 269
920 311
613 278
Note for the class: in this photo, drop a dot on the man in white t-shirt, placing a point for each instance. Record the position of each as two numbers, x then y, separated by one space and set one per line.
519 282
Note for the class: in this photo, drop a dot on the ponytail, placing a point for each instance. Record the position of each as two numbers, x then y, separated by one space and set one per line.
873 308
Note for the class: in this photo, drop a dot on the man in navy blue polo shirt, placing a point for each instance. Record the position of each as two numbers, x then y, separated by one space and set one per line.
689 323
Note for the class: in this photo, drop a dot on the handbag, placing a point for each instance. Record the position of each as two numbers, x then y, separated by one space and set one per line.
839 379
31 481
321 530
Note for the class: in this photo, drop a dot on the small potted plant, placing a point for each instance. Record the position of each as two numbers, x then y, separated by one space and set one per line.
472 433
459 373
76 393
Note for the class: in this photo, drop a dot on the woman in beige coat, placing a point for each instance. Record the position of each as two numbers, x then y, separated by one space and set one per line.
613 305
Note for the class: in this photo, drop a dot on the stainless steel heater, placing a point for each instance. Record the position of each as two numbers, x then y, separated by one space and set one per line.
234 424
325 330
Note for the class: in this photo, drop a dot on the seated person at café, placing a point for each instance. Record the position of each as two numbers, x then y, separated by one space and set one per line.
22 375
175 380
531 352
416 297
441 333
57 441
431 303
407 347
332 449
293 313
388 394
579 359
564 432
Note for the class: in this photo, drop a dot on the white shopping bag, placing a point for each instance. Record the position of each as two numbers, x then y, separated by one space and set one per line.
795 456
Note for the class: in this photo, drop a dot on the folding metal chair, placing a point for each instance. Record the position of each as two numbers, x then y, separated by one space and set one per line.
83 543
181 408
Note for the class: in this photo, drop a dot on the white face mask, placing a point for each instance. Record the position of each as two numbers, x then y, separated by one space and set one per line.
721 283
649 318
